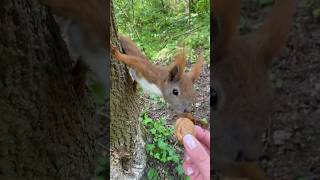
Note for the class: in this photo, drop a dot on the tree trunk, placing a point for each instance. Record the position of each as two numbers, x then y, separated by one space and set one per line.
128 159
47 131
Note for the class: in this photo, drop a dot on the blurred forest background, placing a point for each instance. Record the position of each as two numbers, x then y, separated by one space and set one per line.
292 146
157 26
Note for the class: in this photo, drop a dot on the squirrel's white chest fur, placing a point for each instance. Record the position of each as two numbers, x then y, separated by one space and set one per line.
145 84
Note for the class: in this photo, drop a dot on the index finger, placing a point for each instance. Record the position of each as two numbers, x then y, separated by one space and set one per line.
203 136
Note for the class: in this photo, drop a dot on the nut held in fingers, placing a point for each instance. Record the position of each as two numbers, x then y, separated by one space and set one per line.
183 127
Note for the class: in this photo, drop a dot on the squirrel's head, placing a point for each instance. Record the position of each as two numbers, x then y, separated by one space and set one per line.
177 87
241 80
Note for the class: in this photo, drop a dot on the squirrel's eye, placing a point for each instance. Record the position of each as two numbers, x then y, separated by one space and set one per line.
175 92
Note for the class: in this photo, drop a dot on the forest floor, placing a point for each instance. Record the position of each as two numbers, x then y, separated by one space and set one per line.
292 149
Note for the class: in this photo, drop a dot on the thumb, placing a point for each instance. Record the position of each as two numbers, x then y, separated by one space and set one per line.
198 155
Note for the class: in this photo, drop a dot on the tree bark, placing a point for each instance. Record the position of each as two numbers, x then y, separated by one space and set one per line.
128 159
47 131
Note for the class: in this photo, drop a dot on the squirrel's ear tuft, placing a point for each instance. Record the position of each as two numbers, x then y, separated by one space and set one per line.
176 69
227 13
174 74
180 60
271 37
196 69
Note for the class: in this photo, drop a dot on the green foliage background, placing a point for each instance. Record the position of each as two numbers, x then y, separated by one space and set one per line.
157 26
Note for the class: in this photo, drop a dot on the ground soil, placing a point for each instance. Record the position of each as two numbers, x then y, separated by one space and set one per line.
292 150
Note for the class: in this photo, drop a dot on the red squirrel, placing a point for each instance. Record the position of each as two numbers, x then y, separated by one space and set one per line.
241 79
83 25
171 82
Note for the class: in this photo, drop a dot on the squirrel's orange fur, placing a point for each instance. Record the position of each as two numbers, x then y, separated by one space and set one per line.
166 79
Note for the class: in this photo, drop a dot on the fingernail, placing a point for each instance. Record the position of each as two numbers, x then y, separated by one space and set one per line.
189 171
188 139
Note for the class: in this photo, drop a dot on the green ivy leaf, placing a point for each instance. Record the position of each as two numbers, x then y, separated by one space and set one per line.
175 159
180 170
152 174
150 147
157 155
153 131
162 145
147 121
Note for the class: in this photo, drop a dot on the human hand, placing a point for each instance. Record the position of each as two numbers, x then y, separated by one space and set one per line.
197 154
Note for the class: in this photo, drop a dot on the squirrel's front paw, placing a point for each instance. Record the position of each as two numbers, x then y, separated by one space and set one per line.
115 52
